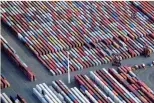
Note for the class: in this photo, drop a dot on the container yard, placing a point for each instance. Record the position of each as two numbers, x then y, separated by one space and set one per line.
110 47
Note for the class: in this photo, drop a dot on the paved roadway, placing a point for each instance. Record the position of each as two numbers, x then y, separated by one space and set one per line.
20 84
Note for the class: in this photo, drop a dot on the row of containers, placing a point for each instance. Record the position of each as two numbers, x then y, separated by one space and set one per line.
4 83
95 54
12 99
92 31
16 59
100 86
59 26
146 8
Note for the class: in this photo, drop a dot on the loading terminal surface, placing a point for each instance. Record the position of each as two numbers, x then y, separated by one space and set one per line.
21 85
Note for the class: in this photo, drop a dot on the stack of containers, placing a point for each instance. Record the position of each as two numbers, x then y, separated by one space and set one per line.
90 30
146 7
92 91
109 86
86 56
120 87
13 55
4 83
101 86
133 84
18 99
58 93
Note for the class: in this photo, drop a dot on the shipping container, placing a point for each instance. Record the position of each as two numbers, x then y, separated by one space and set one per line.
4 83
17 60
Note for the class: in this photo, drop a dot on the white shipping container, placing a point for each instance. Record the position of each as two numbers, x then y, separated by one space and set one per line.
132 74
17 101
38 88
7 98
66 97
98 90
55 97
53 73
47 92
147 41
48 99
90 96
59 71
3 99
78 98
105 88
60 97
61 91
110 100
70 91
82 96
57 88
39 96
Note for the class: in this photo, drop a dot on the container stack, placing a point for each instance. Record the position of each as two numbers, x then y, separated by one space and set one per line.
6 99
4 83
91 31
146 7
121 87
88 56
59 93
16 59
136 85
100 86
102 80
